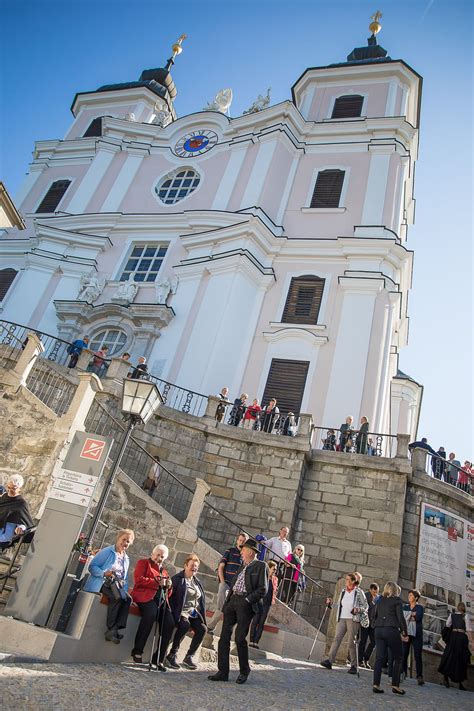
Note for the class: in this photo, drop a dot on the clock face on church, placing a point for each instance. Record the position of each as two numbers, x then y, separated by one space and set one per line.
195 143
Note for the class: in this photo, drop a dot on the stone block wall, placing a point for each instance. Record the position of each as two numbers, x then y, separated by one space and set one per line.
28 444
350 517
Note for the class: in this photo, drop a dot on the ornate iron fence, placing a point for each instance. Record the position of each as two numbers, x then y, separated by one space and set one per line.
12 342
374 443
182 399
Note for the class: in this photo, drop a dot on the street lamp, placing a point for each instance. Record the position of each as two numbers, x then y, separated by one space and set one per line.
140 400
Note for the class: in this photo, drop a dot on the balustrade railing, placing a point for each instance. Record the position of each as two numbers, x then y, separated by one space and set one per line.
182 399
299 591
461 478
12 342
281 423
371 443
51 387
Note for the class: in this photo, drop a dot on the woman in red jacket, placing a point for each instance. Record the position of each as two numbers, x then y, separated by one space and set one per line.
151 591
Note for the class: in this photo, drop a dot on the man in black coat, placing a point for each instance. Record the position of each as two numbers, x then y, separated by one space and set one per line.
244 599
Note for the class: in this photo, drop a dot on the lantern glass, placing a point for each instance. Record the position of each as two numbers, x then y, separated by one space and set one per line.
140 399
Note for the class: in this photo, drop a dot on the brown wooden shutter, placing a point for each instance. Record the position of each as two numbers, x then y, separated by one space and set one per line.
6 280
328 188
286 381
304 300
95 128
349 106
54 196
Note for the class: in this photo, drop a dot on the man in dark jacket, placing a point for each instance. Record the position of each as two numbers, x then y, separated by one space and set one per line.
249 586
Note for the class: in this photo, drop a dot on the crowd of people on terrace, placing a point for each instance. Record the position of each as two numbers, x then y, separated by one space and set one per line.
447 469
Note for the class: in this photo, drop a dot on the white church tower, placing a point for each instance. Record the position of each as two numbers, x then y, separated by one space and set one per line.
265 252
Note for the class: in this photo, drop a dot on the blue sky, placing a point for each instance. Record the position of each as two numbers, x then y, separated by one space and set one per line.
51 50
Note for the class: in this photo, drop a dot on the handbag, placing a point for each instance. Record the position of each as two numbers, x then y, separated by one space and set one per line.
114 588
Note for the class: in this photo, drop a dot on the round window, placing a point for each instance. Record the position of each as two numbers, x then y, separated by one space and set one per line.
113 338
177 185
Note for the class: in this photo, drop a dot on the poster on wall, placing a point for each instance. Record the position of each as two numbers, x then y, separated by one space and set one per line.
445 570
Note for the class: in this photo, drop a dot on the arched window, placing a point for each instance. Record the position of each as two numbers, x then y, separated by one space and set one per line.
304 300
177 185
111 337
54 196
7 277
349 106
328 188
94 128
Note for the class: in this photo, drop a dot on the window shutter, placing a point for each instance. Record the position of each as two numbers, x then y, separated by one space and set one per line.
348 106
328 188
54 196
304 300
95 128
286 381
6 280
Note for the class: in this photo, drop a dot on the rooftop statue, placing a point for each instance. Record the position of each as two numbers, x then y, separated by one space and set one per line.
261 103
221 101
162 118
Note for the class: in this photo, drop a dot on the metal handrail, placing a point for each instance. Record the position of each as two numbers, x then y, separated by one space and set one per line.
445 464
379 438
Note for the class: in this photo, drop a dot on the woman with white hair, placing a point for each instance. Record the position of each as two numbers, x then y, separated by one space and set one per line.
15 516
151 591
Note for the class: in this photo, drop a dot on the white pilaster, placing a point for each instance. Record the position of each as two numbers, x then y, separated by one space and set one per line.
348 372
286 192
376 186
122 182
259 173
91 180
35 171
229 178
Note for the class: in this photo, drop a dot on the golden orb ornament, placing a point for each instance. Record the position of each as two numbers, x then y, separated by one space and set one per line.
375 25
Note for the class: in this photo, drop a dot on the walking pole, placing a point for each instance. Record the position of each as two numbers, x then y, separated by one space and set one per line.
328 607
356 643
155 631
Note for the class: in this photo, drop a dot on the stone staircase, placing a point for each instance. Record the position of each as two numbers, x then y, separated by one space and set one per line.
8 581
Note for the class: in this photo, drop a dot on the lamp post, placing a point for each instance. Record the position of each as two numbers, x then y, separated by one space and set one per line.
140 400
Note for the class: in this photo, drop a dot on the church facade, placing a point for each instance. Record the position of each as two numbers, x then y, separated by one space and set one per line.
266 252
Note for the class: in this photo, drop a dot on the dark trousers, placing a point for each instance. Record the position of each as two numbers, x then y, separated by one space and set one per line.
150 613
73 360
237 611
388 638
258 622
365 650
117 611
417 643
288 590
182 628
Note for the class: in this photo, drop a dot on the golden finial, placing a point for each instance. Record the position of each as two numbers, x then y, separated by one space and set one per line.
176 47
375 25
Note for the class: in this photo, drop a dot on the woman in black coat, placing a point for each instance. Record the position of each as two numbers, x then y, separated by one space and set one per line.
361 438
390 629
456 655
15 516
238 410
188 608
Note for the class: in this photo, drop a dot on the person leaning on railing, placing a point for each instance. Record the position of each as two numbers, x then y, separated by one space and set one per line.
108 571
75 349
15 516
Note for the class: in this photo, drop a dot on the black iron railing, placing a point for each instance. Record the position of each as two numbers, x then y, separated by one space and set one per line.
374 444
12 342
182 399
452 474
139 465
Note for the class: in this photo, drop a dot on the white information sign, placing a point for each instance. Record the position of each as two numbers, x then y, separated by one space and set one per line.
69 497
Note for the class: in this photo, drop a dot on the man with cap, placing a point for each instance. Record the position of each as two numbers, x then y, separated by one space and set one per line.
244 599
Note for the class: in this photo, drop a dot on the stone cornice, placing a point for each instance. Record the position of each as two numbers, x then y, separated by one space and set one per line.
292 332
